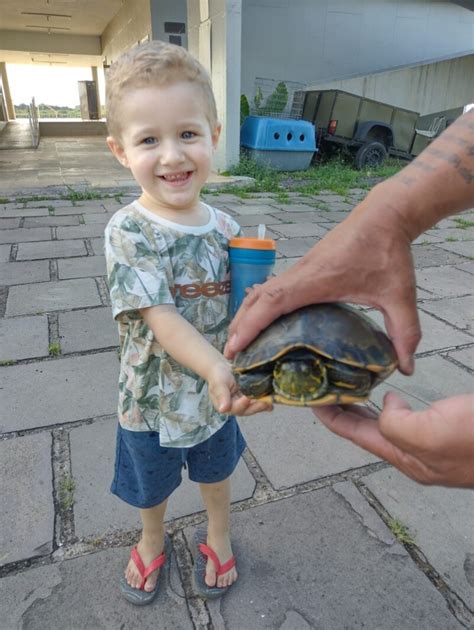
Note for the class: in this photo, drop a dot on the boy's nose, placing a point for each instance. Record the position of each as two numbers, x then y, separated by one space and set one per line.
171 153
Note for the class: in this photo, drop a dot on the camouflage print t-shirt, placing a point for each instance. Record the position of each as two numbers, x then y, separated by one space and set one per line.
153 261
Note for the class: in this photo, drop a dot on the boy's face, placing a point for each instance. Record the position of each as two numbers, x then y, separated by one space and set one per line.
167 143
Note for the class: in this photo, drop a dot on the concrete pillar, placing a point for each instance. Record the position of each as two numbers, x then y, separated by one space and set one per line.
6 92
214 37
95 78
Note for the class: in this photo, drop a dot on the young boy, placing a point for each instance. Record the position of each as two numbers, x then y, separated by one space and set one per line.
167 265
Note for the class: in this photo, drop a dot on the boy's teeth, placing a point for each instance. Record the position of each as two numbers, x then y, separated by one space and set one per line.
174 178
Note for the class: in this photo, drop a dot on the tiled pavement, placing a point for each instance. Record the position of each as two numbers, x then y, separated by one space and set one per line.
310 511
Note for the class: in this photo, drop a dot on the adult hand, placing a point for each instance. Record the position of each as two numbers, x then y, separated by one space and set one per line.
366 260
432 446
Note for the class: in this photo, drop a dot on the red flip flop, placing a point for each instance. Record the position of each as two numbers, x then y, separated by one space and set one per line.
203 552
139 596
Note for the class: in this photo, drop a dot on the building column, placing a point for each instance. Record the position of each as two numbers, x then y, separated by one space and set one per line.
6 92
95 78
214 37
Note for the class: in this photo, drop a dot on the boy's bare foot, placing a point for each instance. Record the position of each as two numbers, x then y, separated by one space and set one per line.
221 545
148 551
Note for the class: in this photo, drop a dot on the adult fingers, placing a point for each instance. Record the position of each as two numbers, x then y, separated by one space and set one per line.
360 428
403 327
260 307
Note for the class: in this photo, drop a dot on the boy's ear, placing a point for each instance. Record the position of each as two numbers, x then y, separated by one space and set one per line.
118 151
216 135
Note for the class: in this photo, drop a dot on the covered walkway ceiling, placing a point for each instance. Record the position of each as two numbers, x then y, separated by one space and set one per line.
56 32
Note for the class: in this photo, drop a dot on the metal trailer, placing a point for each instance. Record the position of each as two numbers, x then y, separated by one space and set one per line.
369 130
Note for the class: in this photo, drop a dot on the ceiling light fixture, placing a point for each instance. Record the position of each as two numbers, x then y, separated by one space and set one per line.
49 28
47 15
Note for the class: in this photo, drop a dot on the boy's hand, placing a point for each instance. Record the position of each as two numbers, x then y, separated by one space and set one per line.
225 394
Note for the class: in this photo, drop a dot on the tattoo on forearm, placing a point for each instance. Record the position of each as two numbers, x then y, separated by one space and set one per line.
467 175
423 166
405 179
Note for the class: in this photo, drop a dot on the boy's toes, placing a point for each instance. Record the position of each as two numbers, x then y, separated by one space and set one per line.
150 583
227 579
211 576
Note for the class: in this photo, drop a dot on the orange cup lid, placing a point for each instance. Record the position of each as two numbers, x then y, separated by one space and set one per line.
252 243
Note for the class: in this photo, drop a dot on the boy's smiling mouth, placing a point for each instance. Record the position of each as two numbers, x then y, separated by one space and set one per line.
176 178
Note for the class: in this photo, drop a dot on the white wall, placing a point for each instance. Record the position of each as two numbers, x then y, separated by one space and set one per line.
424 88
314 41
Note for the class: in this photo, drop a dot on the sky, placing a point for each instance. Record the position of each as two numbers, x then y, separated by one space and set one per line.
48 84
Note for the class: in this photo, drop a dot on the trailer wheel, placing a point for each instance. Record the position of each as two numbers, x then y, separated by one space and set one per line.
370 155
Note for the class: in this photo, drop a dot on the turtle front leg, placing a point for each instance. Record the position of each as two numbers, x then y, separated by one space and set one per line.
255 384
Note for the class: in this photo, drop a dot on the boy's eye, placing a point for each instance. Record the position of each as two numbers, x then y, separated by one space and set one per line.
149 140
187 135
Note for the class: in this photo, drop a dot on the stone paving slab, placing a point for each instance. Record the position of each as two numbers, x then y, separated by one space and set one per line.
467 267
24 272
54 221
82 594
427 238
282 264
251 220
80 231
54 203
25 235
23 338
445 281
293 447
87 329
466 357
296 246
457 233
102 219
97 245
63 211
86 267
14 210
434 378
441 521
7 224
456 311
251 209
309 562
97 511
59 391
464 248
52 296
293 207
5 253
434 256
50 249
300 229
436 334
27 514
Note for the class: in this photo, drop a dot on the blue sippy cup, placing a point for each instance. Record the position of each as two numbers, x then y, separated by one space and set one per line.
251 262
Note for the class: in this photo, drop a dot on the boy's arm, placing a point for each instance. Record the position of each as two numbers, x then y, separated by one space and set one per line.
189 348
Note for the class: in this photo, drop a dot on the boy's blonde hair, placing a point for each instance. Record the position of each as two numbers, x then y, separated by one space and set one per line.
154 63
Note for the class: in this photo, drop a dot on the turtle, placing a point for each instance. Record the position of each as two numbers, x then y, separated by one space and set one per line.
321 354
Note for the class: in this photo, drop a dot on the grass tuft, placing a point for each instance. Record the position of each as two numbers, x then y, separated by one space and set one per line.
337 175
400 531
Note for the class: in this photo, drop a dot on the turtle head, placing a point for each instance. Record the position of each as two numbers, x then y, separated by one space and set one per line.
300 376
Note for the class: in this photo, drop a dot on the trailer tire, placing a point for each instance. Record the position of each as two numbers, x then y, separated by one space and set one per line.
370 155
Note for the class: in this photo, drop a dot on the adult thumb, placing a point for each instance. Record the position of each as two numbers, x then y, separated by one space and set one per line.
403 327
396 421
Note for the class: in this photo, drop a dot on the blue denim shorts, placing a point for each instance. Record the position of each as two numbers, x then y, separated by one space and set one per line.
146 473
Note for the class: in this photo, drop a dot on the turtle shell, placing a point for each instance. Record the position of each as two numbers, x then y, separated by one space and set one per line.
335 331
